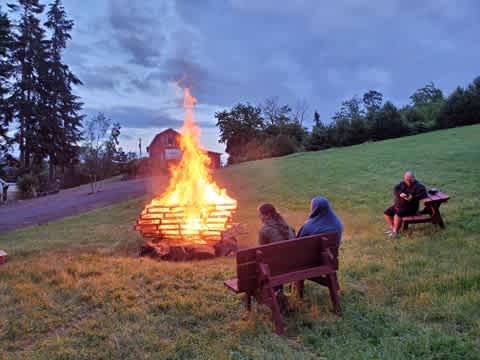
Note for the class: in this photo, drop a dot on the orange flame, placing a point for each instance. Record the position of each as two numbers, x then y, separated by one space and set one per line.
192 196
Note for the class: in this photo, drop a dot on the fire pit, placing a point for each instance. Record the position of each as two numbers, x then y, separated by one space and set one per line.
173 237
193 218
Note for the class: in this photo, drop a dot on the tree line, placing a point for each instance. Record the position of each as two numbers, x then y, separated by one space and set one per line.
41 118
271 129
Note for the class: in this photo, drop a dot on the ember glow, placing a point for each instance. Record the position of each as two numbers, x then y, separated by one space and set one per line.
193 209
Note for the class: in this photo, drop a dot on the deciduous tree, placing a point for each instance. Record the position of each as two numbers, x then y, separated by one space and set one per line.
238 127
100 147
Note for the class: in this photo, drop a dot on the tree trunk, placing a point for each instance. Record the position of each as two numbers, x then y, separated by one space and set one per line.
51 171
26 155
93 183
21 142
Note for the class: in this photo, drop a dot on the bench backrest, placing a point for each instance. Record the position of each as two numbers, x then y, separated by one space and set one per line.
284 257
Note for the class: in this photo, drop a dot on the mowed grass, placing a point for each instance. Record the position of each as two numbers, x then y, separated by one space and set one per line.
74 289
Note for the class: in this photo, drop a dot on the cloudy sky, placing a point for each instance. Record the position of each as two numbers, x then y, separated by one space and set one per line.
315 52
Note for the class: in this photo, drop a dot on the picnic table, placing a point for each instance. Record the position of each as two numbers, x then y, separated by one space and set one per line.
430 213
260 269
3 257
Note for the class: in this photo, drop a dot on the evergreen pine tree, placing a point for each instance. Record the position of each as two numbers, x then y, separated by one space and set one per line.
5 73
64 120
319 135
28 60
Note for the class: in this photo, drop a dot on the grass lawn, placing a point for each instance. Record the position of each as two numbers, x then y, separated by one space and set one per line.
74 289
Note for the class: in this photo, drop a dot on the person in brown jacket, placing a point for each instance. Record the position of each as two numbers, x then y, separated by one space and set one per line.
274 229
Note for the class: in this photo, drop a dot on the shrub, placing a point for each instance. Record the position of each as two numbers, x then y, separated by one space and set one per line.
27 186
281 145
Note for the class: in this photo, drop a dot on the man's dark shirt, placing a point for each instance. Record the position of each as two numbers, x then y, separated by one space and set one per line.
417 190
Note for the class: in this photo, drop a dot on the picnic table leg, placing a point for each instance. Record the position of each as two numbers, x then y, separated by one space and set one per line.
440 221
437 217
333 288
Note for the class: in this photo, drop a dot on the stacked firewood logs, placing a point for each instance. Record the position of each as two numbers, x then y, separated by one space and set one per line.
170 223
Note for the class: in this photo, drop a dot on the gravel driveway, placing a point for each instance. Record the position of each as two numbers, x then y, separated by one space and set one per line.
72 202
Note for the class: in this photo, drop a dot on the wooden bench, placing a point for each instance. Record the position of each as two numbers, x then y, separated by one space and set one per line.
430 213
260 269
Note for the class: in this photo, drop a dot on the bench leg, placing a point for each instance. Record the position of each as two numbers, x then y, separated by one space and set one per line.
267 294
299 288
248 302
277 320
276 314
333 288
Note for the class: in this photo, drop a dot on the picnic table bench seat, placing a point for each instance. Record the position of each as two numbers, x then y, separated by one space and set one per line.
260 269
430 213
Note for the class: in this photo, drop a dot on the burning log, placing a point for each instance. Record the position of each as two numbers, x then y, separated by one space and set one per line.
185 252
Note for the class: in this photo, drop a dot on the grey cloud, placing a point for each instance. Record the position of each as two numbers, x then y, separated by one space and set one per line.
186 71
142 118
103 77
136 31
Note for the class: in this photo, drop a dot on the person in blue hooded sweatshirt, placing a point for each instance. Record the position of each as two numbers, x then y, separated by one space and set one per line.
322 219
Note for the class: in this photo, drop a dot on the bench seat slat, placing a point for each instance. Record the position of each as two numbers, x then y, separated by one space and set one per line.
419 218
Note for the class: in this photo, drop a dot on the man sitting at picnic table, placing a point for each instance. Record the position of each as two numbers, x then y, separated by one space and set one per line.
407 197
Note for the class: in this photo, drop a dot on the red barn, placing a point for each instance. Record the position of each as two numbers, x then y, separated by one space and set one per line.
165 148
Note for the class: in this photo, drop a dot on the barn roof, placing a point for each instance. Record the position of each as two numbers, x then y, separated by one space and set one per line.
160 134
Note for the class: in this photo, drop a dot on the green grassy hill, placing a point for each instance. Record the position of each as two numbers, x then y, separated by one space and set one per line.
73 288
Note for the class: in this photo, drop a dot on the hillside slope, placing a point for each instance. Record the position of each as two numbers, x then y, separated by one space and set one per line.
74 290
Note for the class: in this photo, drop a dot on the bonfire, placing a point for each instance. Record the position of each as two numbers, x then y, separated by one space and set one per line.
194 214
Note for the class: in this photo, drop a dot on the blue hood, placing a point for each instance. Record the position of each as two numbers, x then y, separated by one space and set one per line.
322 219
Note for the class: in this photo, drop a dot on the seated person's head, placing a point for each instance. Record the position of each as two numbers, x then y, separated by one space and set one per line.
409 178
266 211
319 206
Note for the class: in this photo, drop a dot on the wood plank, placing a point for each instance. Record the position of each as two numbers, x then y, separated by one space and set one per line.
421 218
435 198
